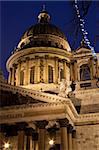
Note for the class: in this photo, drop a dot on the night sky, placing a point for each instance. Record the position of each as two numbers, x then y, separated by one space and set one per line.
18 16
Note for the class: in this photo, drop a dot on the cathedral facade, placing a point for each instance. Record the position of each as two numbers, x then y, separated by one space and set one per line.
51 99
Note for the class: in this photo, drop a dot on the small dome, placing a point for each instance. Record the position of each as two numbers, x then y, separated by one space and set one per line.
42 34
44 28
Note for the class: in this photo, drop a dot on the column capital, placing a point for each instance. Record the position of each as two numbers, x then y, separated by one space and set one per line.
29 131
21 126
41 124
70 128
15 65
63 122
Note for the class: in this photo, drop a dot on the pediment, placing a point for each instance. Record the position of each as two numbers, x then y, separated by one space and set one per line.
8 98
83 50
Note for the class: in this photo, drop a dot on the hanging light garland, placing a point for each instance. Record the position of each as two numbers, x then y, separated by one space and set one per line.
84 32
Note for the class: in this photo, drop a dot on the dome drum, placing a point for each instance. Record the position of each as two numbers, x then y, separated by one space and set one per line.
41 57
31 72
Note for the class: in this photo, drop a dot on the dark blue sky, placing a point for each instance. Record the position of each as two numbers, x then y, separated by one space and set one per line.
17 16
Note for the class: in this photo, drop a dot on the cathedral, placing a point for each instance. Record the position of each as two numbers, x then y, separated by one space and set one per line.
51 98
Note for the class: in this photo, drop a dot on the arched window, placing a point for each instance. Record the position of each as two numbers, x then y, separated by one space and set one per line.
50 74
22 77
32 71
61 74
84 72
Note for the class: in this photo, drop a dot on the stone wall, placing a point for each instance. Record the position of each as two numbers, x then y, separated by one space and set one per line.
88 137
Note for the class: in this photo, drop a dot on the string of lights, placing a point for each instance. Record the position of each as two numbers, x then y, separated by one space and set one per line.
84 32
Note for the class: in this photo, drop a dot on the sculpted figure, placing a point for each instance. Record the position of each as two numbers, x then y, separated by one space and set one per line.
64 88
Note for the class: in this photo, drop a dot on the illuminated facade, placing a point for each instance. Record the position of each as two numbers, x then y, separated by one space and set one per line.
51 100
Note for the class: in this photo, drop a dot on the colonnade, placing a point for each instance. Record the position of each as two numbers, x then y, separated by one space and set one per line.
16 68
30 139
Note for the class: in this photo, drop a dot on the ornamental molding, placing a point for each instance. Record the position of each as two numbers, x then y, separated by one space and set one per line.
35 50
34 112
87 91
38 95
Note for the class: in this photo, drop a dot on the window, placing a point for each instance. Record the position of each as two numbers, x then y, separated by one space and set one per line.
61 74
32 71
22 77
50 74
84 72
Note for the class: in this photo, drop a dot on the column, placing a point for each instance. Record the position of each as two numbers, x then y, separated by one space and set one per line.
29 144
70 128
21 136
75 70
27 71
37 70
72 71
13 82
68 72
91 67
10 76
64 67
46 69
35 140
19 69
56 69
41 138
64 138
74 143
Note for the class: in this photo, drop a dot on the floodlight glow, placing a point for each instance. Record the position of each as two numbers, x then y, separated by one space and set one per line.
51 142
6 145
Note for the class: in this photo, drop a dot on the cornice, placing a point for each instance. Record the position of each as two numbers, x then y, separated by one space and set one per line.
37 50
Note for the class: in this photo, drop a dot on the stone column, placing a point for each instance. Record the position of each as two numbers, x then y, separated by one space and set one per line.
91 67
10 76
46 69
64 67
13 74
27 71
12 81
70 128
72 71
29 144
35 140
64 138
56 69
19 69
41 138
74 143
75 70
21 136
37 70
